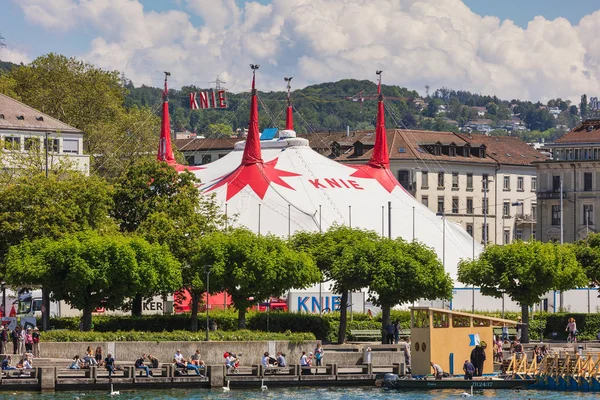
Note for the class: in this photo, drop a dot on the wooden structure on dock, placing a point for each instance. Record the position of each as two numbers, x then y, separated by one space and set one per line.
447 338
570 371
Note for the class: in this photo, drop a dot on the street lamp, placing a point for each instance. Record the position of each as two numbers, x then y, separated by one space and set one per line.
207 269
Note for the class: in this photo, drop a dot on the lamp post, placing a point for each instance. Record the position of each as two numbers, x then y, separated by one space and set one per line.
443 215
207 271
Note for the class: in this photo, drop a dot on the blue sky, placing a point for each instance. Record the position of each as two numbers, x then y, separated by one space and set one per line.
431 42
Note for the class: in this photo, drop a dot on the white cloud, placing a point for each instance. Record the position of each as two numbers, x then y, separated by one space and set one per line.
14 56
416 42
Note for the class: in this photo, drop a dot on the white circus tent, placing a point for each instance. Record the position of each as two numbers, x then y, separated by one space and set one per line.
281 186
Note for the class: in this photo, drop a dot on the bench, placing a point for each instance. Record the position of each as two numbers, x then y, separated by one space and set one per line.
365 333
404 333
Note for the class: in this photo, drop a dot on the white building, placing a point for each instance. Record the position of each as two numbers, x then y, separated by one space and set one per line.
26 134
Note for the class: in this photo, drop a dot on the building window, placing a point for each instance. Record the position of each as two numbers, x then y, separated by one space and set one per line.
455 180
506 182
470 181
12 143
52 145
519 234
555 183
32 144
533 183
533 211
485 182
455 205
71 146
452 151
469 205
506 239
206 159
440 204
587 181
482 152
190 160
438 150
425 201
588 214
555 215
506 209
470 229
484 233
404 178
222 155
424 180
520 183
466 152
484 206
440 180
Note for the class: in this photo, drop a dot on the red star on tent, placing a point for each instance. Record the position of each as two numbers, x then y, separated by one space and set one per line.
382 175
258 176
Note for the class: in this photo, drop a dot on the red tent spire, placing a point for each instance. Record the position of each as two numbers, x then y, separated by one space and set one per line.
289 120
380 157
165 152
252 153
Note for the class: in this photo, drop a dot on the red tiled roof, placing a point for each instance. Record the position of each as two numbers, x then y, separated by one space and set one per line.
19 116
586 132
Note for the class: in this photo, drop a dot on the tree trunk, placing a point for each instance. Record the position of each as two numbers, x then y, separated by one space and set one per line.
195 303
45 309
242 317
343 317
86 319
136 306
385 321
525 325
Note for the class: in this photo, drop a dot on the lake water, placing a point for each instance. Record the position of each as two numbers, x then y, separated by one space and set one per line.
301 393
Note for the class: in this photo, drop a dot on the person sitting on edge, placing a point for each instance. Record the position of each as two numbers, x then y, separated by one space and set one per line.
305 364
265 360
109 364
139 364
77 363
178 356
437 371
153 361
469 370
281 359
191 367
231 361
195 358
27 362
6 364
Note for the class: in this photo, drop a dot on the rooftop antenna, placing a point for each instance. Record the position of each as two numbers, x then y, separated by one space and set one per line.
289 86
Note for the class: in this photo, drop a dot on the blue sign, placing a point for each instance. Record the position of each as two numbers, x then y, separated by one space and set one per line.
312 304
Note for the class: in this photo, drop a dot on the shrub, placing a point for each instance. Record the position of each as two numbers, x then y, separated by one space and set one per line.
134 336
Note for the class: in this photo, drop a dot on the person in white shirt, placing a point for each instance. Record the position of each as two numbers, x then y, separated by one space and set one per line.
305 364
437 371
265 360
178 356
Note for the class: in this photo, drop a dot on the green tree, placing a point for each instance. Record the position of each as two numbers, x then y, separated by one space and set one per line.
88 270
524 271
219 131
151 193
404 272
34 207
583 107
252 267
345 256
588 255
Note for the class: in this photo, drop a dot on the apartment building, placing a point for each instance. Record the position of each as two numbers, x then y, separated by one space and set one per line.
574 163
486 184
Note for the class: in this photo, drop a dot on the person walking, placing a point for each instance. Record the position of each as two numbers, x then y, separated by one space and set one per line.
396 332
389 334
319 353
36 341
572 331
15 336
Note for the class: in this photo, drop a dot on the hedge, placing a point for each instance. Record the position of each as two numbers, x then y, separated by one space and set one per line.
323 327
185 336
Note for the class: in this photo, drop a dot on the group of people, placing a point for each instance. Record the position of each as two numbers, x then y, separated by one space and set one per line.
25 363
23 340
392 332
193 363
268 361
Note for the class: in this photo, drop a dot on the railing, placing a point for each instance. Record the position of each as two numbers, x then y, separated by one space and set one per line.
550 195
529 218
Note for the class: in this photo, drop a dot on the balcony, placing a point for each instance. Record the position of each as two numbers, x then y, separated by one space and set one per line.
551 195
525 218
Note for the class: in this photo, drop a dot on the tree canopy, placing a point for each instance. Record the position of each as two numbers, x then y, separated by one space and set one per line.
524 271
252 267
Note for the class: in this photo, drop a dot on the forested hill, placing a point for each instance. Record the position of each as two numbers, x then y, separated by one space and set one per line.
349 102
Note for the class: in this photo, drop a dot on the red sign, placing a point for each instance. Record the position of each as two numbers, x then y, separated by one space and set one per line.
210 99
335 183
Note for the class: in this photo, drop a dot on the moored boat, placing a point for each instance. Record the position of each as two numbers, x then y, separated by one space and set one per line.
393 381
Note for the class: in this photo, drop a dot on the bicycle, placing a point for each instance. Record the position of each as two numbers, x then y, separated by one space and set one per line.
572 337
